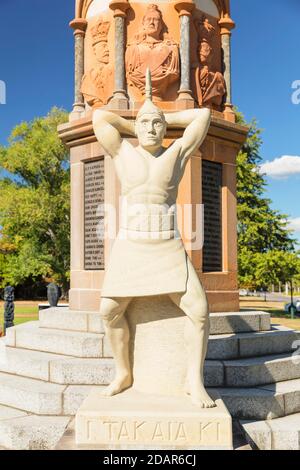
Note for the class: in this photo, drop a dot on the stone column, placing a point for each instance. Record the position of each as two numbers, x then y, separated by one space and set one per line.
120 98
185 98
227 24
79 25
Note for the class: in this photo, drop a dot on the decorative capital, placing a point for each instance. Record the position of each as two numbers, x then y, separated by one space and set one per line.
185 8
119 7
79 25
226 24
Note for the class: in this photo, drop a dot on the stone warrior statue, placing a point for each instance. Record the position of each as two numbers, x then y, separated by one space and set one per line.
9 307
147 258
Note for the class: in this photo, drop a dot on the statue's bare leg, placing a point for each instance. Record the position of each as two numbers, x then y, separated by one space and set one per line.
194 304
116 328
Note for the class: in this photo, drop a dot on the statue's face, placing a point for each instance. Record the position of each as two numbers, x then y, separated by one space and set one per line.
152 24
204 52
102 52
150 130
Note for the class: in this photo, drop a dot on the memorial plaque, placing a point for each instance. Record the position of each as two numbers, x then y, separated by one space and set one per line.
94 215
212 200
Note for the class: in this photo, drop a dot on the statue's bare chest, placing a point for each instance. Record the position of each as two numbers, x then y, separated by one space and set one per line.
142 170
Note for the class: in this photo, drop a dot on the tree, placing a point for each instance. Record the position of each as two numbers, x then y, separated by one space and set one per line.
35 203
265 244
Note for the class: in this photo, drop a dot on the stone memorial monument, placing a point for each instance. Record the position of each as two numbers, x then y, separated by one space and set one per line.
146 257
186 45
154 157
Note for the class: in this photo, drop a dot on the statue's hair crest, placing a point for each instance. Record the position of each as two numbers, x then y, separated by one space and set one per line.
149 107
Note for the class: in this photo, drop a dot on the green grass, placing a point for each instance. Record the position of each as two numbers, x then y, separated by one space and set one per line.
19 320
23 314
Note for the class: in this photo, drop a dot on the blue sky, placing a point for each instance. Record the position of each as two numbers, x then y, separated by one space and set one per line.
36 63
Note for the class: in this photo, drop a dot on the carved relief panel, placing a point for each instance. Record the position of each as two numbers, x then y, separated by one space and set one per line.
207 80
98 81
153 40
154 44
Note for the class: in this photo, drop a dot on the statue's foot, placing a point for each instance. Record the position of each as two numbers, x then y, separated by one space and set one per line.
117 386
200 397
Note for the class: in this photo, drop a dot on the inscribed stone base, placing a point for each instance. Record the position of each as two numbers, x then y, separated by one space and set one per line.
133 420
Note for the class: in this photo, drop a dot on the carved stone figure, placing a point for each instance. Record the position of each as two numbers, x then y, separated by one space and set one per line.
97 83
9 307
210 84
150 49
148 257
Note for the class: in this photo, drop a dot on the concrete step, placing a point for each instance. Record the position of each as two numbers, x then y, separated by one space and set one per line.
74 371
263 403
251 372
74 397
239 322
35 396
94 345
276 341
66 319
220 323
68 343
56 368
278 434
259 399
21 431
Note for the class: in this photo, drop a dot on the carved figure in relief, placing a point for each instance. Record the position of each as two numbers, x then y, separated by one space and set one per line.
210 85
148 257
151 50
97 83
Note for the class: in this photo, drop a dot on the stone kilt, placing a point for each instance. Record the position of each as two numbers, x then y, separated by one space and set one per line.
146 264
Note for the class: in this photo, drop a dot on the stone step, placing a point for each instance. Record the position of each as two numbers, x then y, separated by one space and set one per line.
56 368
220 323
278 434
35 396
251 372
263 403
233 346
21 431
68 343
92 345
74 371
66 319
239 322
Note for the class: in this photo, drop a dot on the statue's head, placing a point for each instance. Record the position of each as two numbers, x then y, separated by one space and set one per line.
150 125
100 41
205 51
153 23
102 52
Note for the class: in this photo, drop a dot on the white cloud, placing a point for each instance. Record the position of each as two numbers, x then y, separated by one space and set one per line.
294 224
282 167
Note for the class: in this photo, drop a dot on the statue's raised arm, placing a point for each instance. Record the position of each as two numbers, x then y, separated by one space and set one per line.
108 128
196 123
